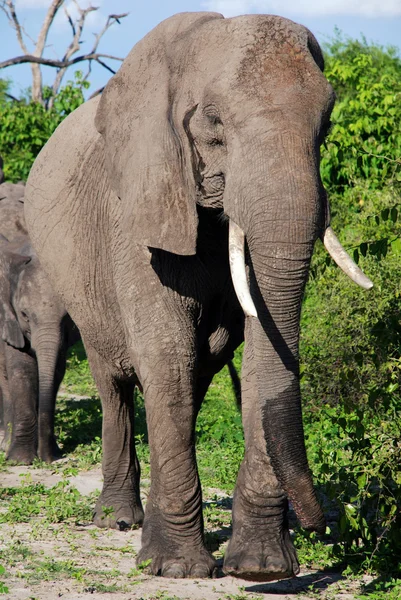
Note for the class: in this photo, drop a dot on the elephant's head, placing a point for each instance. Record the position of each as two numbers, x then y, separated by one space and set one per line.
34 316
230 114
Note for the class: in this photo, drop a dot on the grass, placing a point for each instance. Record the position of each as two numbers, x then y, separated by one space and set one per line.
57 512
58 504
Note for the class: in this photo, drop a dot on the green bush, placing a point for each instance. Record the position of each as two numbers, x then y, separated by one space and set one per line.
351 339
26 126
365 140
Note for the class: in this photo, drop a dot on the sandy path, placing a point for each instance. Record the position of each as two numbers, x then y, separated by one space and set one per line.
94 562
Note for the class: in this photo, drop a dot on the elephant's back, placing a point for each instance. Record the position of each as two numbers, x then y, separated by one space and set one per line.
67 195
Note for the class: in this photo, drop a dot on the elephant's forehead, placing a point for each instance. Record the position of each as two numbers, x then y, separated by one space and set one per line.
276 64
253 51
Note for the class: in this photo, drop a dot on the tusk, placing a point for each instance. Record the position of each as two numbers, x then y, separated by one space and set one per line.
344 261
236 241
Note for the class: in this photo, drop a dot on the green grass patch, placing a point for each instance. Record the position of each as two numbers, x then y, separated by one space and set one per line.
60 503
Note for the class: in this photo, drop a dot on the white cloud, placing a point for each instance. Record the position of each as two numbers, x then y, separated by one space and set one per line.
311 8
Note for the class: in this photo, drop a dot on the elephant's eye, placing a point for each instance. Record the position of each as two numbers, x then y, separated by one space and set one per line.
24 315
212 115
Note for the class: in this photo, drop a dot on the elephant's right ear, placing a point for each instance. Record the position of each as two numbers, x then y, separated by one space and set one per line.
12 333
147 160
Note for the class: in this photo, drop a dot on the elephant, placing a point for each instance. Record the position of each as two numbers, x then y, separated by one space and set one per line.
12 222
36 333
176 215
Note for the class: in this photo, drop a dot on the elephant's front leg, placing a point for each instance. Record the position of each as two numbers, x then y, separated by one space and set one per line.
260 548
172 534
119 505
22 374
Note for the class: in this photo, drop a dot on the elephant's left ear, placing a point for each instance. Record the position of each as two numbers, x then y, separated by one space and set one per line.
148 162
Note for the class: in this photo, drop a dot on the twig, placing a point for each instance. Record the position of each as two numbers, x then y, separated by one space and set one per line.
393 160
99 91
77 29
58 64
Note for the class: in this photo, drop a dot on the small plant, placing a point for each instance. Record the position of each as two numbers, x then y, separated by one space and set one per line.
3 588
58 504
142 568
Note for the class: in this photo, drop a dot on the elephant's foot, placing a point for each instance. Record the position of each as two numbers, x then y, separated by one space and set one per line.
178 563
49 451
260 548
22 454
118 515
270 557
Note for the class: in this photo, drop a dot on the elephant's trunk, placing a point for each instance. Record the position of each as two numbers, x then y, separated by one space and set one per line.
281 213
47 344
278 274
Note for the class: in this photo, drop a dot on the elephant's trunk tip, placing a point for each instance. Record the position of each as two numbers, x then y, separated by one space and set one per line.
344 261
236 243
307 507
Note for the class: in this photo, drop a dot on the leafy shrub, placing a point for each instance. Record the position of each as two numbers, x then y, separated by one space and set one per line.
365 140
351 339
26 126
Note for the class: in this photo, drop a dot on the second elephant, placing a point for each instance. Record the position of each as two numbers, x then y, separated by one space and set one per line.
35 335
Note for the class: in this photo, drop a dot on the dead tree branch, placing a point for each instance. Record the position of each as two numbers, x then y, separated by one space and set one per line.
77 29
36 58
48 62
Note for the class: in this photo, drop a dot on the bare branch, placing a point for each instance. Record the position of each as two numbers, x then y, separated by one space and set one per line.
106 66
77 29
71 22
111 19
39 48
36 59
12 17
49 18
96 93
13 98
59 64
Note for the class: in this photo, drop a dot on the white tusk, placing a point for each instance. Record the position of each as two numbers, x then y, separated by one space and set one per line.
236 242
344 261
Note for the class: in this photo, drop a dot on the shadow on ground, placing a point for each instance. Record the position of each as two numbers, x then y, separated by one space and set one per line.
313 582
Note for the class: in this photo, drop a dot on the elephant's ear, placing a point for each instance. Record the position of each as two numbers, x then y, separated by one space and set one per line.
147 159
315 50
12 333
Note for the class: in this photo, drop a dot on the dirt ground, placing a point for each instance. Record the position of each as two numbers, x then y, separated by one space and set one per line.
95 552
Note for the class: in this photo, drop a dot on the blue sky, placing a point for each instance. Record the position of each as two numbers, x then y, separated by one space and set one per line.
378 20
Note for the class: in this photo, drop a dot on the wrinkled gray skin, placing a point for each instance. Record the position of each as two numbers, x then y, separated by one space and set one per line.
208 119
12 227
12 221
35 335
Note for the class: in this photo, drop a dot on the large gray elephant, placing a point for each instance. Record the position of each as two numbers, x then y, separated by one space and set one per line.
207 136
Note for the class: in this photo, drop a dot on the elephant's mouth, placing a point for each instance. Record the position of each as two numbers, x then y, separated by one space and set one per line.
238 272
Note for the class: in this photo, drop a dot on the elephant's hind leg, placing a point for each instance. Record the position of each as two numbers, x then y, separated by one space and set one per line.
260 548
119 505
172 536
